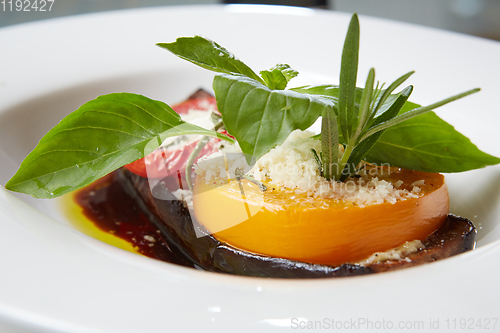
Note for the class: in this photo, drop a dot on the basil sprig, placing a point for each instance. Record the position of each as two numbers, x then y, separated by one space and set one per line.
369 122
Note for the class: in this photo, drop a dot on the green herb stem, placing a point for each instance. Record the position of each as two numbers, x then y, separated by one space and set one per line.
343 162
364 109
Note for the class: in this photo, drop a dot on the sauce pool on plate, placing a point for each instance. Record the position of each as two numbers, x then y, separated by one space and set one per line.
105 211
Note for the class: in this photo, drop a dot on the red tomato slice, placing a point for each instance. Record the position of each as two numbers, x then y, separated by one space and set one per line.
202 104
162 162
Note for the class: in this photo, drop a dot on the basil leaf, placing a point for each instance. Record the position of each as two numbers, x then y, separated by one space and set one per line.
287 71
209 55
428 143
278 76
261 118
330 90
98 138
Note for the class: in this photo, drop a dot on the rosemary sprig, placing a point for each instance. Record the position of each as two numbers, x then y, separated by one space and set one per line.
361 125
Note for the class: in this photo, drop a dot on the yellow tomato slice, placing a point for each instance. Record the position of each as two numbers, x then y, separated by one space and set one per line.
280 223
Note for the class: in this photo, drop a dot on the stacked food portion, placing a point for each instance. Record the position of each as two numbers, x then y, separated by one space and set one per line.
237 183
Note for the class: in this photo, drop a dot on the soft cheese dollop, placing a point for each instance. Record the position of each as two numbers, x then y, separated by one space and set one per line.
201 118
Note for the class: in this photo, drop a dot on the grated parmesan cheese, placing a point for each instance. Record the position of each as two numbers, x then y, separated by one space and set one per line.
418 183
292 166
149 238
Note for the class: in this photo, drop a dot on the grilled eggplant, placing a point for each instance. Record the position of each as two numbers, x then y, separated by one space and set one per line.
173 219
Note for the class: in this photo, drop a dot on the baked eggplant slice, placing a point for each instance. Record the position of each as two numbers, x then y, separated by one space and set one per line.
172 218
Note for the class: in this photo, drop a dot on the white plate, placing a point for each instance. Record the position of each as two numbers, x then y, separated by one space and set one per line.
53 278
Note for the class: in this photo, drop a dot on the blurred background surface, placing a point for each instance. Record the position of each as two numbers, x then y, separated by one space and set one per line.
474 17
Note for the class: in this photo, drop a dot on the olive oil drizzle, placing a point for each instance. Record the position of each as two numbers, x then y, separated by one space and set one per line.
106 211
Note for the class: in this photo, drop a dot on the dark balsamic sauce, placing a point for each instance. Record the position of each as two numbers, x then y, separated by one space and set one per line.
111 209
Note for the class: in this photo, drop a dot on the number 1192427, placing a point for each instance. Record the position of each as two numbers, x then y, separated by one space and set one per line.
26 5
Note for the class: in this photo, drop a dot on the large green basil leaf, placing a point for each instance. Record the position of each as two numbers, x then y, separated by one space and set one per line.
209 55
261 118
428 143
98 138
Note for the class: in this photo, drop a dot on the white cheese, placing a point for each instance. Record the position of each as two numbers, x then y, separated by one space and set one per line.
185 196
200 117
221 165
395 254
